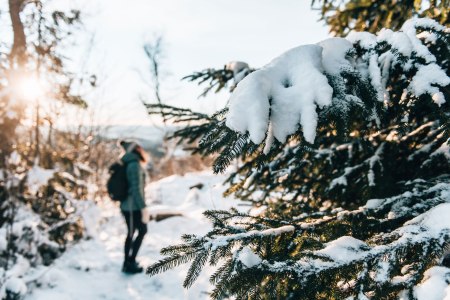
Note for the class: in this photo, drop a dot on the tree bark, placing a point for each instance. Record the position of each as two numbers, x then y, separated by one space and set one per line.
18 50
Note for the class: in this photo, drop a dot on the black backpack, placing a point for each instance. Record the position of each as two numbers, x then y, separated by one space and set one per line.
117 184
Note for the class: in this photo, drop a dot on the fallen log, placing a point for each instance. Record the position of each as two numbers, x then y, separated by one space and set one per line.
162 216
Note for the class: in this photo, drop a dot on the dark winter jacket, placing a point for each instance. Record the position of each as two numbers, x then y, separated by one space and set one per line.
136 183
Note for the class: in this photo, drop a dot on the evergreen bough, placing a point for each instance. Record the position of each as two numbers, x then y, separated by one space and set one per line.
359 211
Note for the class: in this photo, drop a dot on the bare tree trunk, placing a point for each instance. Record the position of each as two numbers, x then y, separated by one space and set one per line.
50 133
37 135
17 59
18 50
154 50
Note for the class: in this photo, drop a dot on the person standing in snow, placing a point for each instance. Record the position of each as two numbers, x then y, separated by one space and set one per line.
133 208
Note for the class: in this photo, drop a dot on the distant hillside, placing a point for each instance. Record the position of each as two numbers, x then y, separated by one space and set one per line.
150 137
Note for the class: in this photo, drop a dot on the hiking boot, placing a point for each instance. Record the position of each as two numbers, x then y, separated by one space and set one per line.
137 267
132 268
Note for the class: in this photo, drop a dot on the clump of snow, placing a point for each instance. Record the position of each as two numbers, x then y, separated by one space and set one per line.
365 39
240 70
334 55
15 287
410 29
278 230
249 258
375 76
429 37
391 215
373 203
38 177
435 286
344 249
398 40
425 80
288 89
436 219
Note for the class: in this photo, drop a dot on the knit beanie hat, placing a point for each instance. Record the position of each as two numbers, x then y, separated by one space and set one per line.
128 146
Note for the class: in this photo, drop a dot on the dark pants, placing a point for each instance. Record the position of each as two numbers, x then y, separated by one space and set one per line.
134 223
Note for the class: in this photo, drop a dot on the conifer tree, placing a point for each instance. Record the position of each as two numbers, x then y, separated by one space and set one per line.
371 16
345 148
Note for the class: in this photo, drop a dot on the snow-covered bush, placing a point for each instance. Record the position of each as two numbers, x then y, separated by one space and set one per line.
345 144
42 213
43 170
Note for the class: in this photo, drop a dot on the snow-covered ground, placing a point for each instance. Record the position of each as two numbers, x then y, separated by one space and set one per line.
91 269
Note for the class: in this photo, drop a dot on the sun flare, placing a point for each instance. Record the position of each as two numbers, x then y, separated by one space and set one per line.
30 88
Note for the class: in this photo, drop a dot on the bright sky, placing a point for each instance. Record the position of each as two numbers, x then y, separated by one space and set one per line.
198 34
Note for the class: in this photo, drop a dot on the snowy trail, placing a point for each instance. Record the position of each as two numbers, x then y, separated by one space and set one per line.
91 269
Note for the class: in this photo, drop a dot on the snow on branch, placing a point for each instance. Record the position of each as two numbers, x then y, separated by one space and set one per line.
312 250
218 241
289 92
286 91
428 231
